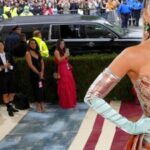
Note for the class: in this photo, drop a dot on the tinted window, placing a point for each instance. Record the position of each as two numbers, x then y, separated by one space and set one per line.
80 31
97 31
29 29
55 32
45 31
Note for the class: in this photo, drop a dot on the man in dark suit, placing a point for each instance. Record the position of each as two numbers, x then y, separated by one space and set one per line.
12 40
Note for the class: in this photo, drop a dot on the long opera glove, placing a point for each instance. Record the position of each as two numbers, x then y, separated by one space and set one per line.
103 84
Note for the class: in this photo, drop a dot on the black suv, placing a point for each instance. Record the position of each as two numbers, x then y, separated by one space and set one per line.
82 34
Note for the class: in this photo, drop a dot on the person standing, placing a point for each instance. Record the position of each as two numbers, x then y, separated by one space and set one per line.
7 88
36 66
137 7
66 6
66 84
26 11
20 50
74 6
86 8
13 39
124 10
42 45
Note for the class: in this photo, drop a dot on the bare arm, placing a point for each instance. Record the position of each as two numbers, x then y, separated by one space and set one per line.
43 66
103 84
122 63
107 80
58 57
42 69
29 62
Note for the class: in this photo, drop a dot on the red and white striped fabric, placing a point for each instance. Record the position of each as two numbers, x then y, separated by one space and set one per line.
96 133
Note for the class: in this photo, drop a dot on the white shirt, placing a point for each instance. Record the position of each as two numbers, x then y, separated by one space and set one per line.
3 57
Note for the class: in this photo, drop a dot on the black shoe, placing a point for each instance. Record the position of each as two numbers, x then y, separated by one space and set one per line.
14 110
10 112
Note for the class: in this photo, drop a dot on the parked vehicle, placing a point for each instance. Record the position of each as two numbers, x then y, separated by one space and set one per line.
82 34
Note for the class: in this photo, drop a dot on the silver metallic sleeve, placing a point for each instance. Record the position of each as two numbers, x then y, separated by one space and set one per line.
103 84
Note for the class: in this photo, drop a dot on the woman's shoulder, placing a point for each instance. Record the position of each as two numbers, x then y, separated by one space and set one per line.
28 54
56 52
132 51
129 54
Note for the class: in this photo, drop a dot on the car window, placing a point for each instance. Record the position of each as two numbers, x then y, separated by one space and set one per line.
69 31
29 29
45 30
97 31
65 31
116 28
78 31
55 33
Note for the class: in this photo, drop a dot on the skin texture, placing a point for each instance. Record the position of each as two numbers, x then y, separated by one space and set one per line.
134 61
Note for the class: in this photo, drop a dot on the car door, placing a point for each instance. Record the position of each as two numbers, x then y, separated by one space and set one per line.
98 38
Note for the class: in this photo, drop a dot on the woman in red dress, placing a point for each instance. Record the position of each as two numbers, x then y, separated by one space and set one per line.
66 84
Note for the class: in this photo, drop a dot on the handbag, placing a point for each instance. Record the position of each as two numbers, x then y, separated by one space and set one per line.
21 101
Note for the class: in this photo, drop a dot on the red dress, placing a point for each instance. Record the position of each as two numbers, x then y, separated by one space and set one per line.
66 85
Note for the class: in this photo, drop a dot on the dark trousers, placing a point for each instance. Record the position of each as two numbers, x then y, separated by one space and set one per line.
86 12
124 19
136 15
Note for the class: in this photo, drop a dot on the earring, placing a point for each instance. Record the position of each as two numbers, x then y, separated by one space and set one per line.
146 26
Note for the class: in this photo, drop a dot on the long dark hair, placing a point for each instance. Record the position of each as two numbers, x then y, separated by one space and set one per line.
1 41
61 51
36 50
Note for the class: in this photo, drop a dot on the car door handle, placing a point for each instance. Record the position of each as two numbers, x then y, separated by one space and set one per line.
91 44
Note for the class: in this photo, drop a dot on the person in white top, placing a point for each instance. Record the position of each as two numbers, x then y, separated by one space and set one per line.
7 80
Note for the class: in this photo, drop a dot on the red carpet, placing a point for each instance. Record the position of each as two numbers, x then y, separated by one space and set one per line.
128 109
95 134
131 111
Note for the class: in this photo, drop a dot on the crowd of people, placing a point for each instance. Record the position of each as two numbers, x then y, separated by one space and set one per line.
12 8
34 50
138 71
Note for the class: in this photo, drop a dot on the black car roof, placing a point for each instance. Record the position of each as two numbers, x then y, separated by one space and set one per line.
47 19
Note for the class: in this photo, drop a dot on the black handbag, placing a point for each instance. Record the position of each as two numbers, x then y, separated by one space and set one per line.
21 101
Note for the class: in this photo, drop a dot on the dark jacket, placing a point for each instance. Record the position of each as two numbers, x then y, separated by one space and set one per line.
74 8
12 42
20 50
